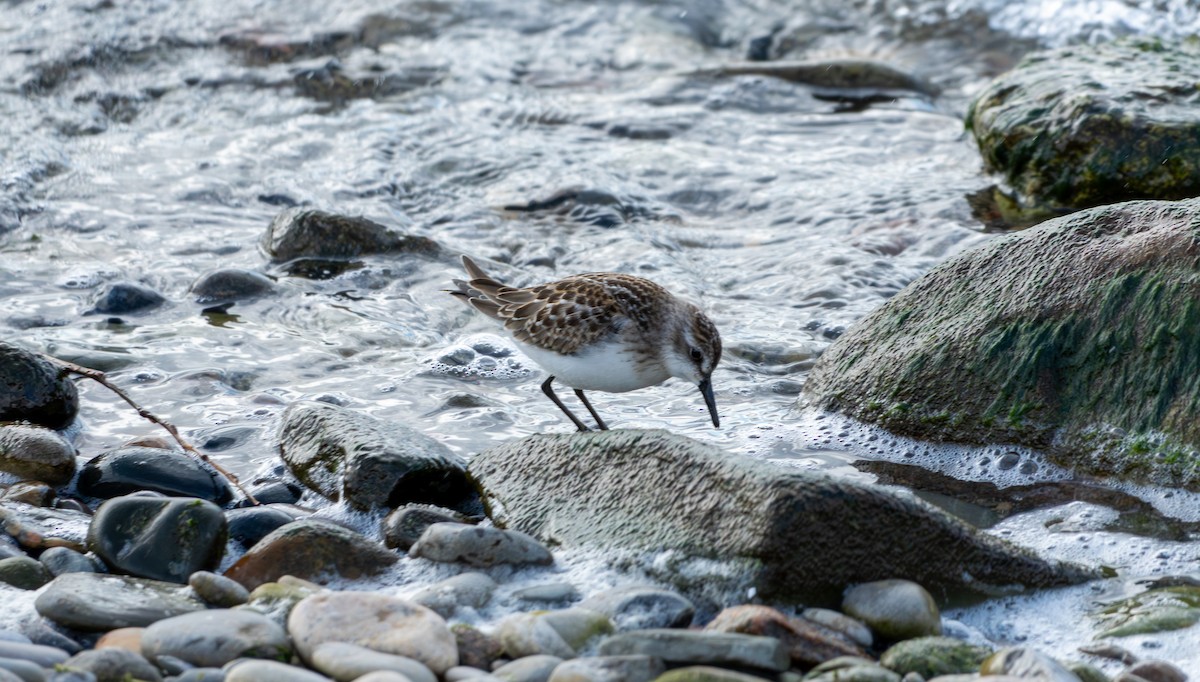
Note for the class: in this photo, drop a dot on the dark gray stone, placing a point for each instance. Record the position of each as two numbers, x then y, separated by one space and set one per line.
249 525
24 572
35 390
307 233
123 298
59 560
466 589
231 284
99 602
217 589
44 656
162 538
114 665
798 534
896 609
134 468
370 463
404 526
635 668
691 646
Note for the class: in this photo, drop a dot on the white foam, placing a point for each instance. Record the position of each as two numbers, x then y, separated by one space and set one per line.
480 356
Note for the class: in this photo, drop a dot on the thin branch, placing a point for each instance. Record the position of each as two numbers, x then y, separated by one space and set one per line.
100 378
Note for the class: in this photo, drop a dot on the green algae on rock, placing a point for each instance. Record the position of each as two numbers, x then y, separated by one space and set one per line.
1076 338
1086 125
798 534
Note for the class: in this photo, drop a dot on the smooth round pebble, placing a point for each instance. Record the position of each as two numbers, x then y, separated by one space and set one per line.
59 560
22 671
639 607
382 676
479 546
463 672
528 669
114 664
633 668
466 589
896 609
269 671
24 572
344 662
122 638
404 526
217 589
162 538
547 593
200 675
45 656
380 622
215 637
1157 671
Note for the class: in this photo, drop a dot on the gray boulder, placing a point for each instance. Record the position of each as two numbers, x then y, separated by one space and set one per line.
1075 338
35 390
800 533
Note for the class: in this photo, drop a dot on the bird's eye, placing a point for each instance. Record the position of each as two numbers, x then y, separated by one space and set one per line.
697 356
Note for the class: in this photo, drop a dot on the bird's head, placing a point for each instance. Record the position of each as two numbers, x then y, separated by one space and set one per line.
693 353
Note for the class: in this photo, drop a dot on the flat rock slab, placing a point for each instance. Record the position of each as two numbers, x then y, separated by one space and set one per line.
690 646
1075 338
43 527
802 534
97 602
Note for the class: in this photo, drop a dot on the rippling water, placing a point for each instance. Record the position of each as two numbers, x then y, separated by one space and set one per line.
144 141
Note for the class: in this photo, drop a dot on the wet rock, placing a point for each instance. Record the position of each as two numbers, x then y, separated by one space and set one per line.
276 492
853 669
93 601
1094 124
345 662
20 671
212 638
1026 663
36 452
853 629
371 463
691 646
404 526
231 284
1156 610
132 469
807 643
123 298
638 607
1153 671
609 669
113 665
528 669
161 538
310 549
837 74
307 233
248 670
32 389
386 624
249 525
122 638
933 656
704 673
549 593
475 649
479 546
559 633
35 493
44 656
24 572
445 597
1014 342
218 590
38 528
796 533
896 609
276 600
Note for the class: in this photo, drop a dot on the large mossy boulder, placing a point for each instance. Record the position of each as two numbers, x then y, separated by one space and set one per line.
800 535
1080 338
1086 125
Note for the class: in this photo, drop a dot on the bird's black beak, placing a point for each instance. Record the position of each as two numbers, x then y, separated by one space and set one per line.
706 391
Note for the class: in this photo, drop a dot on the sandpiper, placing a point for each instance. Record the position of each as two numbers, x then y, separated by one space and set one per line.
601 331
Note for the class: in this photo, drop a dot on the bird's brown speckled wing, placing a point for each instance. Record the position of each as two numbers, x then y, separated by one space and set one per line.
566 315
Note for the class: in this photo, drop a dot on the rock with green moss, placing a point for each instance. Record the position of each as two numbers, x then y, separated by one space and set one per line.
1075 338
1086 125
933 656
797 534
1157 610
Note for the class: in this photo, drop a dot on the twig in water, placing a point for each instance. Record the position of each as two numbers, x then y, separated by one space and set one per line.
100 378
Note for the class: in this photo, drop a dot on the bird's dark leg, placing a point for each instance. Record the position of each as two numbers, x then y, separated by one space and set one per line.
549 391
592 410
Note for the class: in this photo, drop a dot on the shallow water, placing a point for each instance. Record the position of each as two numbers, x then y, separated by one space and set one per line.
142 145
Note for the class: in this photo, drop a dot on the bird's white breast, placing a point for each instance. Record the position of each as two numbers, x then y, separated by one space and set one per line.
606 366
